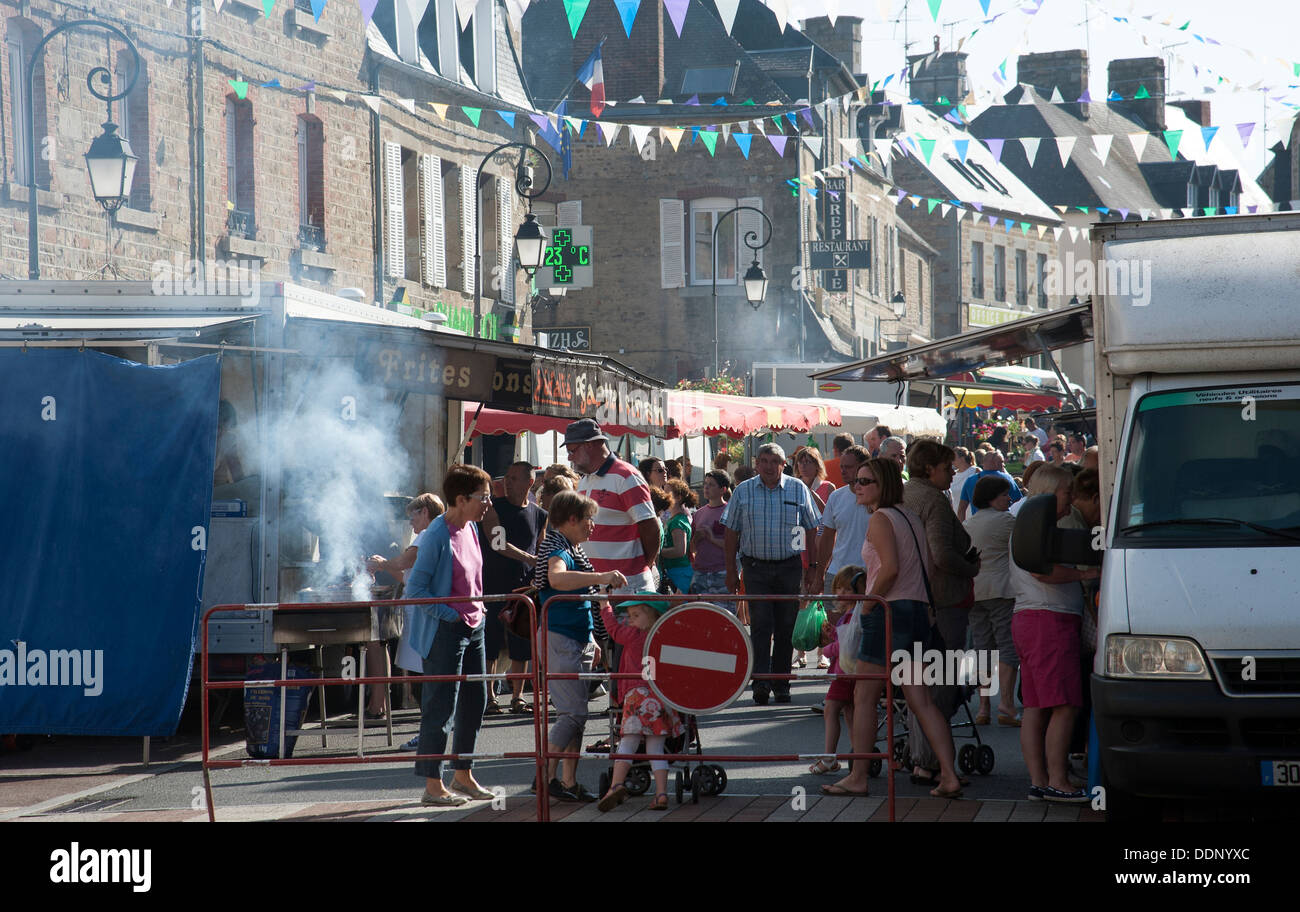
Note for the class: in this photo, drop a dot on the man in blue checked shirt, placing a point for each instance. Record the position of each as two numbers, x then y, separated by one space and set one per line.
771 521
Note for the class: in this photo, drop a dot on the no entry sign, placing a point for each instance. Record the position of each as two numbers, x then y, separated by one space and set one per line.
702 658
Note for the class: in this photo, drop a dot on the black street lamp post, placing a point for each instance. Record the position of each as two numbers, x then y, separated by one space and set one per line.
530 240
755 278
110 160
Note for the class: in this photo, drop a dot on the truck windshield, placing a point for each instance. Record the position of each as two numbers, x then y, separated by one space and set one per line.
1220 453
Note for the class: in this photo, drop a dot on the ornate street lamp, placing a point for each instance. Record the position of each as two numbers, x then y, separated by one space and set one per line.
755 278
110 161
530 240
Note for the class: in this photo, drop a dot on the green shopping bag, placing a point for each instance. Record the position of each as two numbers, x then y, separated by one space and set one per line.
808 627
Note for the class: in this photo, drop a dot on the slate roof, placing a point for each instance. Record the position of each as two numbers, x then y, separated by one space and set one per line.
1084 181
1019 198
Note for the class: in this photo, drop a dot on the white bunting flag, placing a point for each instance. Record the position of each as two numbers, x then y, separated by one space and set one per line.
1056 231
640 134
1074 233
727 10
1139 141
1031 148
408 103
1101 145
372 102
611 132
1064 146
814 144
943 210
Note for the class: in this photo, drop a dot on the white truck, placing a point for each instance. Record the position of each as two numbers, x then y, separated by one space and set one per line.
1196 685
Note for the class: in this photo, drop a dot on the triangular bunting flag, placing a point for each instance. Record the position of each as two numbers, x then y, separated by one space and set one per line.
1244 130
1024 228
507 116
1056 231
1042 230
743 140
929 205
473 114
1064 146
339 94
611 133
372 102
961 214
995 146
408 103
1141 93
934 9
1207 136
240 87
993 220
367 9
677 13
1031 148
1123 214
639 134
814 144
575 10
1172 138
274 84
1101 144
943 210
778 143
627 12
710 139
671 135
1139 141
960 146
727 11
1074 233
927 147
1056 96
441 110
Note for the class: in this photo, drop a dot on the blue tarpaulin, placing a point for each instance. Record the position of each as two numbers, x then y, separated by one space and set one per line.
106 484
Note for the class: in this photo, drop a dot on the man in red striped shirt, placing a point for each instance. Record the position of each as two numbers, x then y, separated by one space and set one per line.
627 533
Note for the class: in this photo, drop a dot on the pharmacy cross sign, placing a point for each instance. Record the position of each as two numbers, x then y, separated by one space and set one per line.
566 259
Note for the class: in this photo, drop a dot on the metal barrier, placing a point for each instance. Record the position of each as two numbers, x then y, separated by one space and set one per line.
545 754
208 685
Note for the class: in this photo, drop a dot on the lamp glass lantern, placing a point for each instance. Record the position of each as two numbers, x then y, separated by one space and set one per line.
755 285
111 164
900 305
530 241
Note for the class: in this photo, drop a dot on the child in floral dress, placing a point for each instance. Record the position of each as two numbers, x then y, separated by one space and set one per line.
644 714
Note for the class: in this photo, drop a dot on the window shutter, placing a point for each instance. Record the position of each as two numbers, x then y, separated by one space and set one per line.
468 207
395 215
433 263
232 173
304 217
506 238
749 221
672 260
569 214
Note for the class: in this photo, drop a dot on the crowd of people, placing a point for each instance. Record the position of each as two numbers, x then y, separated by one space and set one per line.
923 526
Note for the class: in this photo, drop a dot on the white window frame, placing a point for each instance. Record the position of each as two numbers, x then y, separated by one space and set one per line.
448 40
716 205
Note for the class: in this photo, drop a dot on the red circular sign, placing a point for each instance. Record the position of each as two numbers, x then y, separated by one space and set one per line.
830 386
702 658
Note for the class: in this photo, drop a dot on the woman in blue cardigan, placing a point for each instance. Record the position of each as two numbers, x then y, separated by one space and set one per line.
450 635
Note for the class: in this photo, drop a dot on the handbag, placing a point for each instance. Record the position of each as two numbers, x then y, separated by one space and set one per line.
850 637
515 615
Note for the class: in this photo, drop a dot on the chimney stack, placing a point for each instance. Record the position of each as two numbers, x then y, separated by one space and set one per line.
1198 110
843 41
1066 71
939 74
1129 76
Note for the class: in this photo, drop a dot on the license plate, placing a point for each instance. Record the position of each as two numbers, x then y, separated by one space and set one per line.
1280 772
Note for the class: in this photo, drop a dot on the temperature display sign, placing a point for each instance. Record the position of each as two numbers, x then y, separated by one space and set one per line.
567 259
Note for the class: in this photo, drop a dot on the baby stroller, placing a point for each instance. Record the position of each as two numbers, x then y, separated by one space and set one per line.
698 779
971 758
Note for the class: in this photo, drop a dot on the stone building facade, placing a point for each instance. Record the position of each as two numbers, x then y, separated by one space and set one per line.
282 146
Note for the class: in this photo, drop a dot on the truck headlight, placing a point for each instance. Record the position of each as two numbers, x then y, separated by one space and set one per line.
1155 657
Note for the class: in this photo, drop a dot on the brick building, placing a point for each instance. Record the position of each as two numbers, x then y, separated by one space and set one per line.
334 153
654 208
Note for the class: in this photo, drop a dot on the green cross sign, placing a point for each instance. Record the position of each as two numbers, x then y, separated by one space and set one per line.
567 259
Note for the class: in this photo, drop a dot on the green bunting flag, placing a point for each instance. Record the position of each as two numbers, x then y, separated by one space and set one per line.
1172 139
934 9
473 114
710 139
930 204
927 147
1141 93
575 10
240 87
1024 228
267 6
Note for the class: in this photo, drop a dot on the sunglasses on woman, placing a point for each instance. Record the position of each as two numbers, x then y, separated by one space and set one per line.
862 482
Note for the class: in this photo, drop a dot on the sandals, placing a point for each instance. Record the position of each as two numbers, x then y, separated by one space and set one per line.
519 707
838 791
1008 721
613 798
660 803
824 766
493 708
982 719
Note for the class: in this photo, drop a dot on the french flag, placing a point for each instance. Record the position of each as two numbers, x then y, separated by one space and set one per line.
592 75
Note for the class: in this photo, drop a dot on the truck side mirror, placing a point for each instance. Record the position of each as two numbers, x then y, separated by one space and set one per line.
1037 543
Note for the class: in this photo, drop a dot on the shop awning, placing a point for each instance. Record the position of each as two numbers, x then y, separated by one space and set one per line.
1008 343
962 397
690 414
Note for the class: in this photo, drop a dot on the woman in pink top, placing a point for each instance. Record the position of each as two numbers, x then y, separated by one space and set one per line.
896 557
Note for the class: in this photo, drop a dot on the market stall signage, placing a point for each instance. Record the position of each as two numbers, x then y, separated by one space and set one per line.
570 390
572 338
567 259
427 369
836 228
